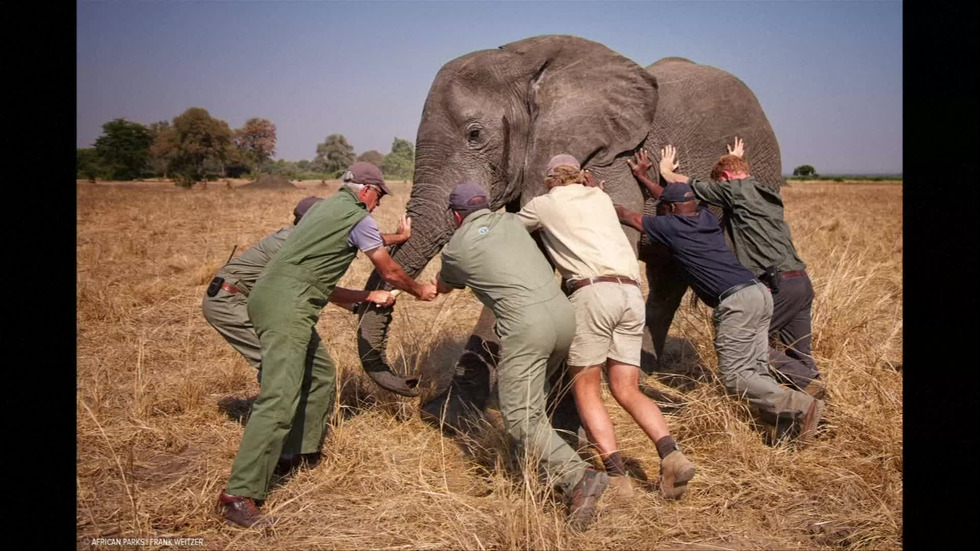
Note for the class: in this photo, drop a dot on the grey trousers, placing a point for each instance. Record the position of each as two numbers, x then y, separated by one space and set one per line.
742 342
790 327
228 314
533 346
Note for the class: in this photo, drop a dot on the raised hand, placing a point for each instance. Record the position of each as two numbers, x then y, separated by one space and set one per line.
738 150
642 165
668 159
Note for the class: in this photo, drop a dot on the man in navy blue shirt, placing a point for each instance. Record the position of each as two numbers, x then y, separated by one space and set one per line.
743 305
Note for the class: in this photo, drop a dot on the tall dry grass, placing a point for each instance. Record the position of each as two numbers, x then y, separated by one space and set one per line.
161 397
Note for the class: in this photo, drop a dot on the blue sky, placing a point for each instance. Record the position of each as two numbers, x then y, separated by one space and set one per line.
828 74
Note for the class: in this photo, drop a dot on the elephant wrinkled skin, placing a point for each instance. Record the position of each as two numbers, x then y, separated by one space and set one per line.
495 117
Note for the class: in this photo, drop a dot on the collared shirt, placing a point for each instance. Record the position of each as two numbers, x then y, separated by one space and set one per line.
494 255
760 236
698 245
581 232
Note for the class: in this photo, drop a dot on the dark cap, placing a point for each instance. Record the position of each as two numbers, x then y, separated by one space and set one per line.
462 194
304 205
366 174
677 192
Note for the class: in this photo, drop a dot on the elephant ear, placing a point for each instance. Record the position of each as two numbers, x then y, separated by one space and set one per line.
584 100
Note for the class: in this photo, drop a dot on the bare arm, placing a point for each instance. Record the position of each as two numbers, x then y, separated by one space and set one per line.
404 232
345 297
629 218
396 276
441 287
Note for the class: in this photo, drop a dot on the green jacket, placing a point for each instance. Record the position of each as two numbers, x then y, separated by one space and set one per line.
318 252
755 212
496 257
243 270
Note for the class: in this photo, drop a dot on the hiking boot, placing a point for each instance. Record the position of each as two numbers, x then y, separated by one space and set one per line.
816 388
241 511
620 486
809 428
582 501
675 471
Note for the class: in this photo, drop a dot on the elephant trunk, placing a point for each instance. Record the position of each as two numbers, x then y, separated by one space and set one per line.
431 228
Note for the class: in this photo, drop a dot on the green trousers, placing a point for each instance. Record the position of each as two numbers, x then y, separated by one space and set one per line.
534 341
228 314
742 342
296 392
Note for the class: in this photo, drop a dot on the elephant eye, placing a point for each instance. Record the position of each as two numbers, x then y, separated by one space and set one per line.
474 134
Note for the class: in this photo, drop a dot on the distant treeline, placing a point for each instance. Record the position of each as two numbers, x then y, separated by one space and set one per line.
849 177
196 147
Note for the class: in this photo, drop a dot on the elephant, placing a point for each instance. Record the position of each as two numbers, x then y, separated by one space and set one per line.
495 117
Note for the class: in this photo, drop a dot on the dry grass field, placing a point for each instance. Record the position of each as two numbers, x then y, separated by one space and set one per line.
161 398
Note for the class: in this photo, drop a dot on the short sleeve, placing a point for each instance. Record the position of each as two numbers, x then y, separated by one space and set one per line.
450 274
711 192
529 216
651 226
366 235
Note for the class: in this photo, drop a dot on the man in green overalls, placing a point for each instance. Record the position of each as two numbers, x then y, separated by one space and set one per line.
225 307
496 257
284 306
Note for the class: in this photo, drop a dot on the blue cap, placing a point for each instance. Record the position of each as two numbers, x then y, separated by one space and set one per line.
463 195
677 193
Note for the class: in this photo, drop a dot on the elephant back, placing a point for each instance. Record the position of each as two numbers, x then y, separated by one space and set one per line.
703 108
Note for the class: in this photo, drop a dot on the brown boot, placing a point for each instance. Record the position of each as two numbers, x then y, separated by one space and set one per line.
809 428
582 501
816 388
675 471
621 486
241 511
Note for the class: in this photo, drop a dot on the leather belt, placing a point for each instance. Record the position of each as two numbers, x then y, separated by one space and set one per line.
574 285
230 288
794 273
736 288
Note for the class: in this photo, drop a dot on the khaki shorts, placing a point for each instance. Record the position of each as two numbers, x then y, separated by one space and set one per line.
608 324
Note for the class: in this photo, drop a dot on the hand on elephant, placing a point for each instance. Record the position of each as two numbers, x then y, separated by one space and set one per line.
642 165
668 159
381 298
738 150
405 227
590 181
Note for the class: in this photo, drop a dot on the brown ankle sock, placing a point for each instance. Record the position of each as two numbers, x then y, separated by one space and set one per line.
666 445
614 464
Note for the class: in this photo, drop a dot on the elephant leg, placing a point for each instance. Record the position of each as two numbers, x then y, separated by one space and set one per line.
464 399
667 287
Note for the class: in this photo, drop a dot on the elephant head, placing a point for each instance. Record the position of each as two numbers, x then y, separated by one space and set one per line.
495 117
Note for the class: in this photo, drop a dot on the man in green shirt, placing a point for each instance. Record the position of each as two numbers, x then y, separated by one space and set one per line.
762 243
495 256
284 306
225 308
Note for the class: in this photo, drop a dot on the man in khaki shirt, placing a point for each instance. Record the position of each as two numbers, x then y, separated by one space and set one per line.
583 237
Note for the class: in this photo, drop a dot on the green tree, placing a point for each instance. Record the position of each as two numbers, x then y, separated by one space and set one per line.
203 146
87 164
256 141
373 157
333 155
124 148
400 163
163 148
805 170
